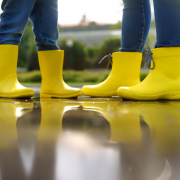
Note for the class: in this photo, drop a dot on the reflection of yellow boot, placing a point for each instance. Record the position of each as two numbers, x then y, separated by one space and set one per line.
164 122
125 72
53 85
10 110
52 111
163 82
9 85
123 118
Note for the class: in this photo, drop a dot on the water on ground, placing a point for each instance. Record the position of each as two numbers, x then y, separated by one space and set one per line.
89 139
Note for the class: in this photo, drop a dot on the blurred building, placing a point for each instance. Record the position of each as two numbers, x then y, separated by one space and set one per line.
91 33
88 32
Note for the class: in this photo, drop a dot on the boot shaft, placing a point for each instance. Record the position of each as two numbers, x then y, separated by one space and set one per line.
51 64
127 64
167 60
8 62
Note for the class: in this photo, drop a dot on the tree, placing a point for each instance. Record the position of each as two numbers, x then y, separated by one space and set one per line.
75 56
108 47
27 49
116 26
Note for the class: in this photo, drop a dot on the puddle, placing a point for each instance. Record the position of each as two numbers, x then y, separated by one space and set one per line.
89 139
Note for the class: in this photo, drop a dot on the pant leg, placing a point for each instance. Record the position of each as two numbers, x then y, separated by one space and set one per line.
136 23
167 18
14 19
45 19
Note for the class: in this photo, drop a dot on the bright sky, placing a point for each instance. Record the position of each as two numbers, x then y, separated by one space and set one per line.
71 11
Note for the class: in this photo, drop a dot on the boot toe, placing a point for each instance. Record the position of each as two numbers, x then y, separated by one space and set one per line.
136 93
93 91
75 92
88 90
125 92
97 91
71 92
25 92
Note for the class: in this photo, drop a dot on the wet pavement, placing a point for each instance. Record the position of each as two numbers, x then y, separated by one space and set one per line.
89 139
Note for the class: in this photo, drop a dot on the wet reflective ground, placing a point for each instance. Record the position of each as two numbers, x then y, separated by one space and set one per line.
89 139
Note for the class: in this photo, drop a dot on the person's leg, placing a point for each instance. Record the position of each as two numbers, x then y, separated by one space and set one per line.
163 81
167 18
14 19
136 23
45 19
12 23
126 63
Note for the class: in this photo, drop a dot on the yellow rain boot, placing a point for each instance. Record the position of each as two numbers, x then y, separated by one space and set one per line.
9 85
52 111
125 72
53 85
163 81
10 110
123 117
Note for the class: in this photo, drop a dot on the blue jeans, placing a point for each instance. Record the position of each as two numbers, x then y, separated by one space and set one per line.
44 16
137 20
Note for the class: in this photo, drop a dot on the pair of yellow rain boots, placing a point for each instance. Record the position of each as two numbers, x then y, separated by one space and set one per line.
51 65
163 81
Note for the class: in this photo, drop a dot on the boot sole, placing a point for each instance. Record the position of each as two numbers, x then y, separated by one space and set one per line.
45 95
97 96
101 96
17 96
170 96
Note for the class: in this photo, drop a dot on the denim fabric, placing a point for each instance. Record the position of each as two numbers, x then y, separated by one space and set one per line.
43 14
136 23
167 17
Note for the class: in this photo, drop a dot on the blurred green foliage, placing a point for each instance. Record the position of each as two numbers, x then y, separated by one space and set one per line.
32 76
74 54
68 75
77 55
116 26
108 47
73 76
153 24
27 50
143 75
